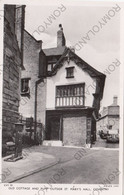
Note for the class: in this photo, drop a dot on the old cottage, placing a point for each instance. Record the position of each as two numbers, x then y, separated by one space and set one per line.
55 90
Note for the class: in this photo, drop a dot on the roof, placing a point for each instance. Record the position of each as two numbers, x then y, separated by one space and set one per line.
80 62
38 41
54 51
69 54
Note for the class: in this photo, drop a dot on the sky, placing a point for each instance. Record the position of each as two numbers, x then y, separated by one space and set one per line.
101 50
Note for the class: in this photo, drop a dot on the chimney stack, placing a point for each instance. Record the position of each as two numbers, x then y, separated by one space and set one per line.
115 99
60 37
20 24
19 27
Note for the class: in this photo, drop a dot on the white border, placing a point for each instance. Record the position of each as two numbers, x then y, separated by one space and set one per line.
113 190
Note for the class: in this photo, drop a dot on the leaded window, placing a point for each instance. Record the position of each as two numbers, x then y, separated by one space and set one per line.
70 95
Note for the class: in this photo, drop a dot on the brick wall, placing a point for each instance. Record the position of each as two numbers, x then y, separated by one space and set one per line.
74 130
11 74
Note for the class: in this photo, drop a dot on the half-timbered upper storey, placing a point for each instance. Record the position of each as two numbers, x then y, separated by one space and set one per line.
71 82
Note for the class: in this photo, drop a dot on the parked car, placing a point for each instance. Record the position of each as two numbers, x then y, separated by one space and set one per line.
112 138
103 135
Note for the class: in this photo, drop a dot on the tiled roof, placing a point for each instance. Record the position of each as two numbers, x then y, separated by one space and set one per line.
54 51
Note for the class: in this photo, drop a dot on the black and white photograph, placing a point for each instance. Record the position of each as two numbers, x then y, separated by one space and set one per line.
61 97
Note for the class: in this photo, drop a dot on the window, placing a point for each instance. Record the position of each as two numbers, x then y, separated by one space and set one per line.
50 67
29 122
109 126
70 72
70 95
25 86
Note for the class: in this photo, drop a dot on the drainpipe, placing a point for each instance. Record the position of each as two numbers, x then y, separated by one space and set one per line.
35 107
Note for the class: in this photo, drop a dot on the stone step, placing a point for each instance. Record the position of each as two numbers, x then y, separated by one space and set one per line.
52 143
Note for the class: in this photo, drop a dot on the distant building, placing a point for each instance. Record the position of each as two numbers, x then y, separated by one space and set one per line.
54 88
109 119
14 17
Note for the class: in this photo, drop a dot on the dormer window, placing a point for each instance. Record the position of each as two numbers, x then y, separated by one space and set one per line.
70 72
25 90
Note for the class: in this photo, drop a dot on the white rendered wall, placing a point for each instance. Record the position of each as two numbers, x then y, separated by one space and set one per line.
60 79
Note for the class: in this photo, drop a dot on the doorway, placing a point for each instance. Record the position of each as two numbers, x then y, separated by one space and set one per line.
54 130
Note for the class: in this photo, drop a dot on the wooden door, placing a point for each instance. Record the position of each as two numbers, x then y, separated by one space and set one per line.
54 128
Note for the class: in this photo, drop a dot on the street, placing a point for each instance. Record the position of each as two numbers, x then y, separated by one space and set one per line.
92 167
103 143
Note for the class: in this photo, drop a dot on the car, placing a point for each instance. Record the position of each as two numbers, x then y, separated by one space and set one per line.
103 135
112 138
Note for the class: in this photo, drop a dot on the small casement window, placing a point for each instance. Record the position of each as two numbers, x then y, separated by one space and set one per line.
70 72
109 126
50 67
25 86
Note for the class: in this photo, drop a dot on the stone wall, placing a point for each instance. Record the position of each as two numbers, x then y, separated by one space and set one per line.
11 74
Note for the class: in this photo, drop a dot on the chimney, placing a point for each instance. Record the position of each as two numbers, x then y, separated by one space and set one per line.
115 99
19 24
19 28
60 37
